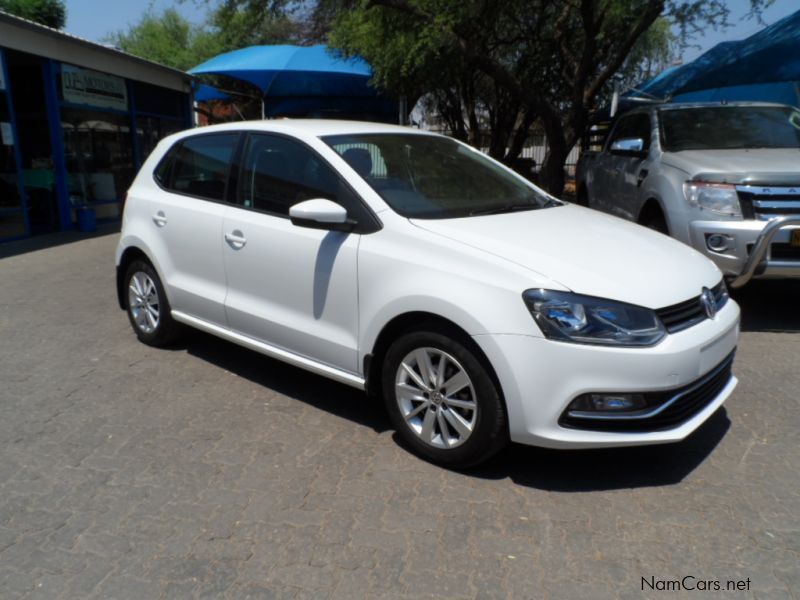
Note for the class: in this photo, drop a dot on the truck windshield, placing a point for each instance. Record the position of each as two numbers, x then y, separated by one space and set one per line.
433 177
729 127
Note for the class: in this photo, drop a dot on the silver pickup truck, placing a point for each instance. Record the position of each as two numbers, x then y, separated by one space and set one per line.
723 178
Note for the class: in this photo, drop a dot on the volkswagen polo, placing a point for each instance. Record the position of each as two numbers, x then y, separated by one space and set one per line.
412 266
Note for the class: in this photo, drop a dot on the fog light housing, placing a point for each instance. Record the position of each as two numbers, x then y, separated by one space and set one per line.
717 242
606 403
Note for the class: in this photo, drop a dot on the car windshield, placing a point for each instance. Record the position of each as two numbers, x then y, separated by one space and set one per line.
432 177
730 127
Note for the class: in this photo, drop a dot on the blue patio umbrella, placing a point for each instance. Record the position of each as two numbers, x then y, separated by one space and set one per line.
285 71
207 93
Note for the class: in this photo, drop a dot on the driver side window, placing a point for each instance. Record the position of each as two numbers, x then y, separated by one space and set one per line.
632 126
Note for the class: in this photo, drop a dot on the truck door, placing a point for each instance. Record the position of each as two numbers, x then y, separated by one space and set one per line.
627 164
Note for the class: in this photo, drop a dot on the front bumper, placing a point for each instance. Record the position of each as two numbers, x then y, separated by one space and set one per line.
540 377
750 251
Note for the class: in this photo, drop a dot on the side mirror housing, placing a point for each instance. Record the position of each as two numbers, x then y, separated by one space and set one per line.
321 214
629 146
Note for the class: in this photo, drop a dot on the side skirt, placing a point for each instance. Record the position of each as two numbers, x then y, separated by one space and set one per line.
272 351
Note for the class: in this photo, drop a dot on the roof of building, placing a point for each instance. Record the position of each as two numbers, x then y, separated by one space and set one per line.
110 51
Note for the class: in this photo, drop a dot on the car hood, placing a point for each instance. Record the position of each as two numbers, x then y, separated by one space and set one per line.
587 252
755 165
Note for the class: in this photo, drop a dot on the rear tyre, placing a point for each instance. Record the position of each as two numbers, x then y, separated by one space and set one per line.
442 400
147 306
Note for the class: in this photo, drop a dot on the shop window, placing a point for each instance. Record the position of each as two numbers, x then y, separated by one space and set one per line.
99 157
12 222
160 101
150 131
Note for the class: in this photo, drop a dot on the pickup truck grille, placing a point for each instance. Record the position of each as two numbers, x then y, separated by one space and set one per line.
766 202
691 312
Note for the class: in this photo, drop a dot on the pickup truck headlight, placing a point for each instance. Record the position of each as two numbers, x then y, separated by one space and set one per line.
719 198
587 320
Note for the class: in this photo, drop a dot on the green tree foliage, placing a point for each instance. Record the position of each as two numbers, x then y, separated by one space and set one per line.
242 23
546 62
47 12
168 38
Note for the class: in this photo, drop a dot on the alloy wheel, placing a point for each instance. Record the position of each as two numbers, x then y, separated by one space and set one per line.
436 398
144 302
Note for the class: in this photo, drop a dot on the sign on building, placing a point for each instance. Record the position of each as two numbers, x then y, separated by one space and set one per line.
83 86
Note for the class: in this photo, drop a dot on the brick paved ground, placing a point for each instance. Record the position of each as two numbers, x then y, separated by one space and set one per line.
209 471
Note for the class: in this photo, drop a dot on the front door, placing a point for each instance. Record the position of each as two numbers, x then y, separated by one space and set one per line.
289 286
626 171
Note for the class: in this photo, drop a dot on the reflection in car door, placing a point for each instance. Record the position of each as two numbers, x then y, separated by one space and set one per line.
186 216
289 286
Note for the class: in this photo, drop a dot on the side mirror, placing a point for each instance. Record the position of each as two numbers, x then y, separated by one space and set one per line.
320 214
632 146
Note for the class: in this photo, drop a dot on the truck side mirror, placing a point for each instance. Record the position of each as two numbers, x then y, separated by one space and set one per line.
628 146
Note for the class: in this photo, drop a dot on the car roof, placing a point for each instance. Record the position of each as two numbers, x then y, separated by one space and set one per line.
307 127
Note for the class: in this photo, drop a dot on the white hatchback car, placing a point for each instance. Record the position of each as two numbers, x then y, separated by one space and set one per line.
410 265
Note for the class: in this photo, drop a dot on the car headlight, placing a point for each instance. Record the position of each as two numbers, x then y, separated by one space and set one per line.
587 320
719 198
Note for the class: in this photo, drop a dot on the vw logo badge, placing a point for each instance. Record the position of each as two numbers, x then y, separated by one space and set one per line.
709 303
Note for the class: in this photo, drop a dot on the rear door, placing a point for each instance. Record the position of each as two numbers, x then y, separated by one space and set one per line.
187 216
289 286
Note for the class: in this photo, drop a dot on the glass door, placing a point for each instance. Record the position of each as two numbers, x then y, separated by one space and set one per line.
13 221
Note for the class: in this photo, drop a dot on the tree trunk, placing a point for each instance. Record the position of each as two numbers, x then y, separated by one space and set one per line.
551 175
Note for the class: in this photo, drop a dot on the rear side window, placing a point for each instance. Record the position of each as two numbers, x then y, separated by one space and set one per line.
198 166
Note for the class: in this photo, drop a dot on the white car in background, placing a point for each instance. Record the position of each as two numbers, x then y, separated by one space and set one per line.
408 264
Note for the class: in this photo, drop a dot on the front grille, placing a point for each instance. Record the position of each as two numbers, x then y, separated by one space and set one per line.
678 405
784 252
766 202
690 312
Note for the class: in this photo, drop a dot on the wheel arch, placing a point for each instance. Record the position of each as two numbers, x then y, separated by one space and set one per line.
419 320
650 207
130 254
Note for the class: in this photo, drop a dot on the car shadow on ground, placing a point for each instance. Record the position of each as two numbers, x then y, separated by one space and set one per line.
553 470
315 390
770 305
607 469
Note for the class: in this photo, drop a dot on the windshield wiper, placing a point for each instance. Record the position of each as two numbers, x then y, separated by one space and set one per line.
507 208
504 208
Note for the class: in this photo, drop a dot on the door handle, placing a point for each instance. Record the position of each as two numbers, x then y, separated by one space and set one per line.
236 239
642 176
160 218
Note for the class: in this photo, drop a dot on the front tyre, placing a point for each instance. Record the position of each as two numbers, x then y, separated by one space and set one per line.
147 306
442 401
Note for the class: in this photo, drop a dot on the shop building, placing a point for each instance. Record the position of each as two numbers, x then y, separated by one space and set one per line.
77 119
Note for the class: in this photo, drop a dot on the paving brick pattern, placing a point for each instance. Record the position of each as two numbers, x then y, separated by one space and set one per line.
208 471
